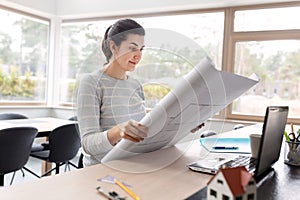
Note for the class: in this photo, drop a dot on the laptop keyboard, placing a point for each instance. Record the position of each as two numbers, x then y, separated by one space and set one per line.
247 161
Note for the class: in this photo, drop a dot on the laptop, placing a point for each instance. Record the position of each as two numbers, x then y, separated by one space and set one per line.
269 150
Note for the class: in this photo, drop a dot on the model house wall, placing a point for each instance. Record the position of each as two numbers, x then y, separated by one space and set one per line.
232 184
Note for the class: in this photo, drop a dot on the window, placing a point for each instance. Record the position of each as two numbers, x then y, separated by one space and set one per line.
277 63
250 196
271 49
251 183
225 197
23 57
163 62
220 181
213 193
267 19
264 39
239 198
80 53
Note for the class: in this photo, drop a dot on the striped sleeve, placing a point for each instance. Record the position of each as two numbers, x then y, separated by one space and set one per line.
94 140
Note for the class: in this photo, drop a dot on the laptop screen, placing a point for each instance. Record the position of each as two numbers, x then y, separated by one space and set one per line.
270 146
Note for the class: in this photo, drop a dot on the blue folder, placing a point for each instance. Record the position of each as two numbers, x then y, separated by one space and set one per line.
226 145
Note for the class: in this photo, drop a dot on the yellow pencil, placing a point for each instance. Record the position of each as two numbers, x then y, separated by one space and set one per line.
126 189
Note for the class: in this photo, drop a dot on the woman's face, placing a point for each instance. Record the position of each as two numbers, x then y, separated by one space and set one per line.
129 53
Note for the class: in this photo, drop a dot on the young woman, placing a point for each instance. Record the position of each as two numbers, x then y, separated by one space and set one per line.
109 102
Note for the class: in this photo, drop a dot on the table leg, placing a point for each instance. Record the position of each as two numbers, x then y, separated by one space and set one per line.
46 166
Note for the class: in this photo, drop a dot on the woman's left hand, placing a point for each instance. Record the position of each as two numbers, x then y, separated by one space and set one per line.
133 131
197 128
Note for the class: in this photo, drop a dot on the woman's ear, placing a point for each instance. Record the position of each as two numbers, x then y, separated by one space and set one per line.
113 47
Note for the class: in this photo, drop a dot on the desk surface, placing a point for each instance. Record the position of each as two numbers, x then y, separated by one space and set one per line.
281 184
164 179
158 175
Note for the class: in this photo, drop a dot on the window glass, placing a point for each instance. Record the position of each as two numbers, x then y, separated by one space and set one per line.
213 193
206 29
267 19
160 67
225 197
277 63
23 57
251 197
81 53
239 198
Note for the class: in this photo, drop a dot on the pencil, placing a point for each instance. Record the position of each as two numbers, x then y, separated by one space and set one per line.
126 189
292 127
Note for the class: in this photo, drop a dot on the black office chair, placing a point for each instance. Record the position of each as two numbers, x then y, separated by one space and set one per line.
15 146
80 160
74 118
8 116
64 143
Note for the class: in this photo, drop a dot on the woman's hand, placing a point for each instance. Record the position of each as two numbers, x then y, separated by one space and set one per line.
133 131
194 130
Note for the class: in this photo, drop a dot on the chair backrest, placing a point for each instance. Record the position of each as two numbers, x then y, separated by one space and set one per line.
64 143
6 116
15 147
73 118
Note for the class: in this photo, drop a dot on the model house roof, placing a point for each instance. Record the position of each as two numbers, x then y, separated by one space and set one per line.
237 178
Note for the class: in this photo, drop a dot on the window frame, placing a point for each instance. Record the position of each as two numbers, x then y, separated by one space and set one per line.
153 14
231 38
48 63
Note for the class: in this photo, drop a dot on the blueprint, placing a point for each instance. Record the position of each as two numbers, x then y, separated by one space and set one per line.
199 95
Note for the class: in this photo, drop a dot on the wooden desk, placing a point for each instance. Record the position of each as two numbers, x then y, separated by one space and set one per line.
165 178
160 175
44 125
281 184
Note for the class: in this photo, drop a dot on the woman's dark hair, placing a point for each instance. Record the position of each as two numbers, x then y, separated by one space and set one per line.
118 32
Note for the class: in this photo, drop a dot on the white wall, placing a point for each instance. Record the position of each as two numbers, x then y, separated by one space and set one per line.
119 7
91 8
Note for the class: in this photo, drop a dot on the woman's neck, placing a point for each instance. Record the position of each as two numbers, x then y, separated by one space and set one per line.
115 71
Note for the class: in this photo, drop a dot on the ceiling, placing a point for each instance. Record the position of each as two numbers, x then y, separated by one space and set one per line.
82 8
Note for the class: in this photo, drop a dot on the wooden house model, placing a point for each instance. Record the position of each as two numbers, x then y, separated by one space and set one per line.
232 184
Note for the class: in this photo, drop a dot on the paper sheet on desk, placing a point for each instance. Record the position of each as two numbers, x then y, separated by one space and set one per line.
242 144
199 95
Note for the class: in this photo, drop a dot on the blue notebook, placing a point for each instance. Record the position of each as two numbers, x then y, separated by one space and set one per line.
226 145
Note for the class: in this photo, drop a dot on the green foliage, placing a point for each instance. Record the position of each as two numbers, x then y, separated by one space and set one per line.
154 92
11 83
27 84
19 67
14 85
71 91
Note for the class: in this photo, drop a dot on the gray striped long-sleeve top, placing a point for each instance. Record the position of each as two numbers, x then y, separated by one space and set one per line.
103 102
